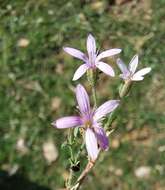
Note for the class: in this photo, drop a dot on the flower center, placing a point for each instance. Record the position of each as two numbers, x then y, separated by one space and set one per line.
88 124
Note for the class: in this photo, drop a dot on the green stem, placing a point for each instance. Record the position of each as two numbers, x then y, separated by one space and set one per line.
70 143
71 152
91 76
110 120
94 96
69 182
80 150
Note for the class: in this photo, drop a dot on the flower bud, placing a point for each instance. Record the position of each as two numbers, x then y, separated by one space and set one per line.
124 90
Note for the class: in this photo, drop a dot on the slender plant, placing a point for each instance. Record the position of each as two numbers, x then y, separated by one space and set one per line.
93 123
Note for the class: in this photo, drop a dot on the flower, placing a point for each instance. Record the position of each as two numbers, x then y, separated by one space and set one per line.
90 120
93 59
128 73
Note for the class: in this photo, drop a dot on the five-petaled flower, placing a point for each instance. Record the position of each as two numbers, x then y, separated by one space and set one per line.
128 73
93 59
90 120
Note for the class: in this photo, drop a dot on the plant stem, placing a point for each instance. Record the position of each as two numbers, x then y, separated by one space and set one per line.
94 95
91 76
69 181
70 143
111 118
80 150
83 175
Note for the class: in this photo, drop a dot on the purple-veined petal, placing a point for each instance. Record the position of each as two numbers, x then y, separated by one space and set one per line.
133 64
82 99
107 69
105 108
91 45
75 53
91 144
122 67
67 122
101 137
108 53
80 71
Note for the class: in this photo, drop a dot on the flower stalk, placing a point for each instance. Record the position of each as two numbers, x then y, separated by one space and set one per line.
91 77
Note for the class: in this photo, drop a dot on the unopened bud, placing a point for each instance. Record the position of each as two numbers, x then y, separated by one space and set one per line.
125 88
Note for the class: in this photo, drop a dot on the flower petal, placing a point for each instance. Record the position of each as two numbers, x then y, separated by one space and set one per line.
82 99
133 64
75 53
137 78
67 122
107 69
80 71
143 72
91 144
101 137
91 45
105 108
139 75
108 53
122 67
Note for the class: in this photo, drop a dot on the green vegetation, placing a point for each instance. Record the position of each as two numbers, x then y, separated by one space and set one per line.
36 88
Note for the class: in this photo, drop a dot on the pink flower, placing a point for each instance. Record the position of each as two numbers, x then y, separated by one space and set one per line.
90 120
128 73
93 59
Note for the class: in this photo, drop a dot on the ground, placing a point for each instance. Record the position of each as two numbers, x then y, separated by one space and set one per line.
36 88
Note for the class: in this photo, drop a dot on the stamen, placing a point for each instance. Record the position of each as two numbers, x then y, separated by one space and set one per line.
88 124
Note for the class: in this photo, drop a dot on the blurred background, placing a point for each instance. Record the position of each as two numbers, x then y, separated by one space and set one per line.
36 88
